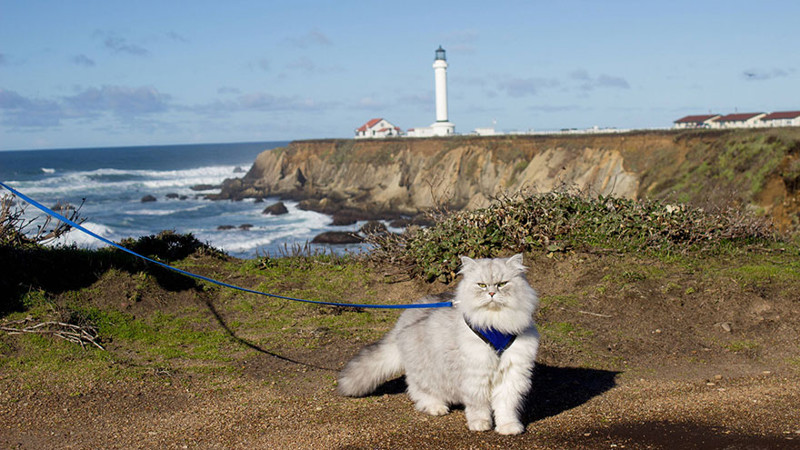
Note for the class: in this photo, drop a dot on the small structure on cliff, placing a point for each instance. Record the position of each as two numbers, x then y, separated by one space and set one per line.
442 126
377 128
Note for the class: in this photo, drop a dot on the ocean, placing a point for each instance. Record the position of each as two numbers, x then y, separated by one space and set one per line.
111 182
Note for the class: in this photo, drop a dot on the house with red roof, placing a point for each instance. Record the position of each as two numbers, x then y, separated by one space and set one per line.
739 120
698 121
782 119
377 128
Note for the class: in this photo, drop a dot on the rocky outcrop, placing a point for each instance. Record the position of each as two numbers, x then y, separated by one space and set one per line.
386 178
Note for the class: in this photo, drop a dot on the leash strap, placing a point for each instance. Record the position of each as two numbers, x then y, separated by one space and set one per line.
77 226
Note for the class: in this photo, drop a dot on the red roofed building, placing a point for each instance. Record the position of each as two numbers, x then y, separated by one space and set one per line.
699 121
739 120
377 128
782 119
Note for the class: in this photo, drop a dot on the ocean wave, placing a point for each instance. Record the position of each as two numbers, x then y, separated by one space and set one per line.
83 240
48 170
109 180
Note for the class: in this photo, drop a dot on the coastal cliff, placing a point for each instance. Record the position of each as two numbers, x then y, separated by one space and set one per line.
759 169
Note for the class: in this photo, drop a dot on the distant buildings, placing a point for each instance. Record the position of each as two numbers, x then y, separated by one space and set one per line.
740 120
377 128
380 128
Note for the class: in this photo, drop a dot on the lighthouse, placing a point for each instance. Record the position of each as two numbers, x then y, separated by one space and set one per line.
442 126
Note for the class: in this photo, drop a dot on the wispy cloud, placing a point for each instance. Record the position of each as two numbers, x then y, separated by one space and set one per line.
521 87
82 60
126 103
120 45
20 111
304 64
766 74
176 37
119 100
256 101
590 83
312 38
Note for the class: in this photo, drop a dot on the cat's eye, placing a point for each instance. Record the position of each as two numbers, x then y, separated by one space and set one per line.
502 283
482 285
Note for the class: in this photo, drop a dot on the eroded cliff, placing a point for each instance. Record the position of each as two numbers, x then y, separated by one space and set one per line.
756 168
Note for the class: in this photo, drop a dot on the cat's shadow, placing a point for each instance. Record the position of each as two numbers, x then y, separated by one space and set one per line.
559 389
554 389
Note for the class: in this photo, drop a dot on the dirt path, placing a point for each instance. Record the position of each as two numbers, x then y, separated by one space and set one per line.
293 406
637 354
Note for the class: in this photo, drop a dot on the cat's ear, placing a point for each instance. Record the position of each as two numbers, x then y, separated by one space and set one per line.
466 262
515 262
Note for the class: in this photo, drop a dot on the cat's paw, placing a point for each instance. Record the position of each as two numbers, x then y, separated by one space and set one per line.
479 425
510 428
434 409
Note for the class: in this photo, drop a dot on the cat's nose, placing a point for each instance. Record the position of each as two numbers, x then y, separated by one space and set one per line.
491 294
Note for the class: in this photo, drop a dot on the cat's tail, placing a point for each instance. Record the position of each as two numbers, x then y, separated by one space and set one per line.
374 365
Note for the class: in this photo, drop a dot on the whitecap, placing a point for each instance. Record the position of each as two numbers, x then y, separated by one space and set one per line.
48 170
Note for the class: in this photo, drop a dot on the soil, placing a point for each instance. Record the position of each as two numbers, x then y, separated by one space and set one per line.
636 353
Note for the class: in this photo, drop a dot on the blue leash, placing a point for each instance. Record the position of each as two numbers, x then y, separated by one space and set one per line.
77 226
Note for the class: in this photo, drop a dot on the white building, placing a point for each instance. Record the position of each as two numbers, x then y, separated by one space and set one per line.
442 126
782 119
698 121
738 120
377 128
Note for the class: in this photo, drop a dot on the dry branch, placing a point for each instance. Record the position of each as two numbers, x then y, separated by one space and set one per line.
70 332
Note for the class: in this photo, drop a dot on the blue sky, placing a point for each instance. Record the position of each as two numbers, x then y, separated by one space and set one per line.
117 73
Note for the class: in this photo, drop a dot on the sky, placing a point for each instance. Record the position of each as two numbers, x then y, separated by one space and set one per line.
121 73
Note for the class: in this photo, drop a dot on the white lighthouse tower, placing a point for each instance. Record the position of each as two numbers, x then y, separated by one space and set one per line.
442 126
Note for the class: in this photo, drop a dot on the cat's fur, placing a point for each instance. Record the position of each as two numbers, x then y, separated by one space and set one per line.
446 363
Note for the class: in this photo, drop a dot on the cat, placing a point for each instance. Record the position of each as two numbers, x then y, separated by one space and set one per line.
479 353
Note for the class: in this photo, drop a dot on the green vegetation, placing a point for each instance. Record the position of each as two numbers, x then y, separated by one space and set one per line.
560 221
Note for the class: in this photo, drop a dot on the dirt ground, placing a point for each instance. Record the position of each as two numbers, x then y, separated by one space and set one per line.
636 353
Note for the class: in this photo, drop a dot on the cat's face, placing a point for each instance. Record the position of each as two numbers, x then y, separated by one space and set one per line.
494 284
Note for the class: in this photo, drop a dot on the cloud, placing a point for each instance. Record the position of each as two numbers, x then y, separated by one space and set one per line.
83 60
307 65
176 37
763 75
312 38
520 87
21 111
119 100
590 83
257 101
120 45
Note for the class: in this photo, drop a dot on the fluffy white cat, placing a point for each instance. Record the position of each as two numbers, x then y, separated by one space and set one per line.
479 353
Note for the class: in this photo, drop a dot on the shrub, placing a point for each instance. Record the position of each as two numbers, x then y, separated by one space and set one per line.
559 221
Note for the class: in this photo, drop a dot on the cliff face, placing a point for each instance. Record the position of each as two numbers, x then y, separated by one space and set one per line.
760 168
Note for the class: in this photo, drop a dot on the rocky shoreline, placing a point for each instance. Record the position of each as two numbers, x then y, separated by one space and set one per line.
405 179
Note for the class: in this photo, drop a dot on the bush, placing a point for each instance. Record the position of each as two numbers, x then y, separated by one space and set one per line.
169 246
561 221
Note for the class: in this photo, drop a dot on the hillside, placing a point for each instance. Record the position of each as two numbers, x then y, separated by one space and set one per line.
759 169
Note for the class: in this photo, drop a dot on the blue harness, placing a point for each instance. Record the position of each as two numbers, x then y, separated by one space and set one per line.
497 339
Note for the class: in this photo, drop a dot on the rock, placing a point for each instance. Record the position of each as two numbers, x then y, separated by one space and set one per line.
238 169
373 227
337 237
148 198
173 195
246 226
276 209
62 207
205 187
225 227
